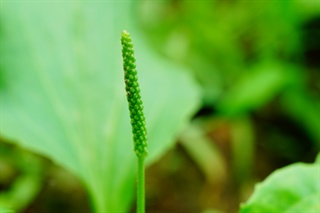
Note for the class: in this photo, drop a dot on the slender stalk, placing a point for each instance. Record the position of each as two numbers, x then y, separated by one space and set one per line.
140 186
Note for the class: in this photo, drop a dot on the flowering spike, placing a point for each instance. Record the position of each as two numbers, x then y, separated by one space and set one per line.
139 130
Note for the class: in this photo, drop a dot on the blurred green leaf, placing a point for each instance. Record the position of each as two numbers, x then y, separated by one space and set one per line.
212 211
62 92
308 9
304 109
22 192
318 160
242 144
257 87
204 153
292 189
26 177
5 210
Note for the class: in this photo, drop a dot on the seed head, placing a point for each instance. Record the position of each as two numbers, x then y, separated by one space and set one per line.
138 123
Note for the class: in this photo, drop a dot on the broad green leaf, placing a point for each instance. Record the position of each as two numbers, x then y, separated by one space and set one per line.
62 92
295 188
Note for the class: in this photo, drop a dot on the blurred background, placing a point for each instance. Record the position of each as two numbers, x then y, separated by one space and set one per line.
258 66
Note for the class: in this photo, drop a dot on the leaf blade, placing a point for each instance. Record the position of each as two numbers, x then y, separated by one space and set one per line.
65 97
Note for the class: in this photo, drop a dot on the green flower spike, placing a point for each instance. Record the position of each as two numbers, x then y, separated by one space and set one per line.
138 123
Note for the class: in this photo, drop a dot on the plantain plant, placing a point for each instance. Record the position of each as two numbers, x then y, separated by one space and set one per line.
138 123
62 93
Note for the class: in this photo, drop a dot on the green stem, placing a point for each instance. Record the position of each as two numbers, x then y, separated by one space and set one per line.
140 186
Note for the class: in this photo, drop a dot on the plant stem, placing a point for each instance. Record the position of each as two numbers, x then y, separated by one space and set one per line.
140 186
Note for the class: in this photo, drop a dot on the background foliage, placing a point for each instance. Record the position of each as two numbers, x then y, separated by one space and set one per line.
234 83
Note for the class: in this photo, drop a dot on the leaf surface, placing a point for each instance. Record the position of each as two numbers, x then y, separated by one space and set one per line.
295 188
62 92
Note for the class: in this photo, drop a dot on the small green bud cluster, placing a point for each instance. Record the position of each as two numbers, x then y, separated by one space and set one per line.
138 123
